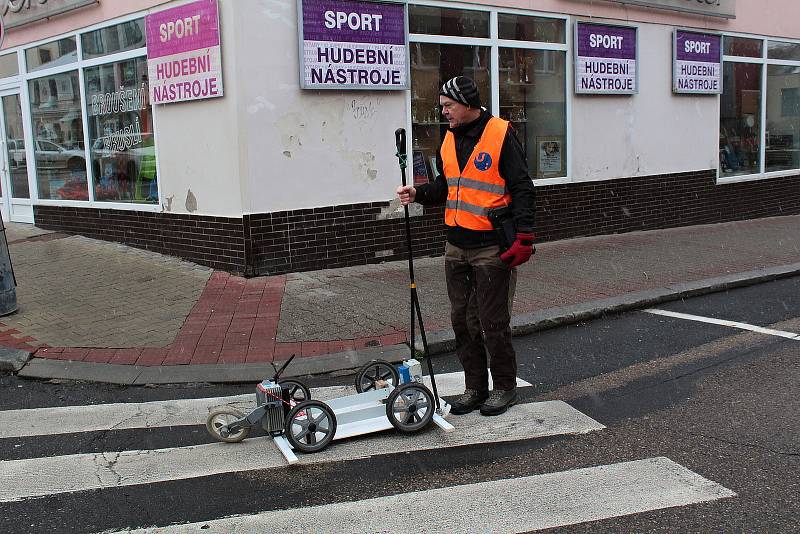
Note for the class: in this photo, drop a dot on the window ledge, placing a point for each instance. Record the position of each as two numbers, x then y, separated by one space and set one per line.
753 177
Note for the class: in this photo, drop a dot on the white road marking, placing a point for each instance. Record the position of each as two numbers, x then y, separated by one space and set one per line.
69 419
508 505
21 479
722 322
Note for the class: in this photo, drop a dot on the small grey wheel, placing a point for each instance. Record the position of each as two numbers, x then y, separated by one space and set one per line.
376 374
298 392
220 418
410 407
310 426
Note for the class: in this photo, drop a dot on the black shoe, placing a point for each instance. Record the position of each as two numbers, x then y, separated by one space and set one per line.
468 401
499 401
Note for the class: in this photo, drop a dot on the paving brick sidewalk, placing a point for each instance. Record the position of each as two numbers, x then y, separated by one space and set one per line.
86 300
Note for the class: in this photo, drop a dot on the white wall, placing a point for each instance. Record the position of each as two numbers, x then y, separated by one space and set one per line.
198 141
652 132
304 148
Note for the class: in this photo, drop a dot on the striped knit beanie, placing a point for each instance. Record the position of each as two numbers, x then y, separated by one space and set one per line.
462 90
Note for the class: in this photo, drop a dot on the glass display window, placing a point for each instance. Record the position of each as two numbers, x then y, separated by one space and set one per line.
112 39
58 145
433 20
120 123
9 65
431 66
782 143
533 98
740 119
526 28
53 54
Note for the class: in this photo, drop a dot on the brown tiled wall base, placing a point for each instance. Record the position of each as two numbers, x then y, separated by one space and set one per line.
217 242
339 236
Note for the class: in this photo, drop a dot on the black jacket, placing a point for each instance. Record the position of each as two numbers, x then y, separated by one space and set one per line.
513 169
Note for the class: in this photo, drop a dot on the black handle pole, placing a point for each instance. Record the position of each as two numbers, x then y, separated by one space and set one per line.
402 155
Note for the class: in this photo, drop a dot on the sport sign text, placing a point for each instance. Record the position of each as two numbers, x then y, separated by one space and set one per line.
697 63
184 60
606 59
349 44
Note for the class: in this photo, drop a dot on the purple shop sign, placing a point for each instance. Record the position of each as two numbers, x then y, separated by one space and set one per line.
606 59
350 44
184 59
697 63
181 29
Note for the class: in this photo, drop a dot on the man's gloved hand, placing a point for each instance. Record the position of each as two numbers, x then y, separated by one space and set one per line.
520 251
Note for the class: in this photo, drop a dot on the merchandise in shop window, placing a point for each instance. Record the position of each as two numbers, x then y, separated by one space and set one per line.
121 132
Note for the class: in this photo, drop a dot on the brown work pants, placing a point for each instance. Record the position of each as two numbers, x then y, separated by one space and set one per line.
481 290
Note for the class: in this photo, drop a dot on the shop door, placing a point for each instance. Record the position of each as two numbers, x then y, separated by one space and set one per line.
14 184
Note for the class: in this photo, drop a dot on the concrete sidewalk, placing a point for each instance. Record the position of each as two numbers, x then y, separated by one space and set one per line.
102 311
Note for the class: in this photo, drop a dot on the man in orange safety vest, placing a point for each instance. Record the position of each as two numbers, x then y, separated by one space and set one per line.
483 169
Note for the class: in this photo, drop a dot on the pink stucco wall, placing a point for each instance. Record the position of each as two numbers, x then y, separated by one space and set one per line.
80 18
762 17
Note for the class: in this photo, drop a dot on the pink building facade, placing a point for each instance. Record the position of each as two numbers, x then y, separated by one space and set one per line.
226 147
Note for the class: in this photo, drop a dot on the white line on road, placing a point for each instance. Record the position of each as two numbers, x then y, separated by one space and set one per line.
722 322
20 479
508 505
69 419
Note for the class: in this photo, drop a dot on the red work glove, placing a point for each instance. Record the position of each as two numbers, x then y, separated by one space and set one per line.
520 251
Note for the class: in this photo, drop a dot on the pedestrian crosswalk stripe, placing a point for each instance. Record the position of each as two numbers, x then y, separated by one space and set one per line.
723 322
21 479
120 416
508 505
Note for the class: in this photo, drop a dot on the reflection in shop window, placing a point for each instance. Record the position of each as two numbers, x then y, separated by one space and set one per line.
58 137
121 132
112 39
54 54
431 66
533 97
782 150
740 119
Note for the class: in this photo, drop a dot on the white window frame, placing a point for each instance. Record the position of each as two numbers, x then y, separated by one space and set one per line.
22 82
764 61
494 44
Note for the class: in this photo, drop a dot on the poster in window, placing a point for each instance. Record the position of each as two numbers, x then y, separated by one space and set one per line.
421 174
550 160
64 88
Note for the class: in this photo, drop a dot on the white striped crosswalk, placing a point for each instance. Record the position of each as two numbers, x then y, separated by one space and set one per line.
580 495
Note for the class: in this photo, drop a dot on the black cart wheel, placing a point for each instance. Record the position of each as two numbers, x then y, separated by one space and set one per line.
410 407
218 421
377 374
298 392
310 426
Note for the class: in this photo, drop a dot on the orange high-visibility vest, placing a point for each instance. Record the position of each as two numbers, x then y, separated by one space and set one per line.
471 193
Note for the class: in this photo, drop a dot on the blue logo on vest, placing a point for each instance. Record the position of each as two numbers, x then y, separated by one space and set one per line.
483 161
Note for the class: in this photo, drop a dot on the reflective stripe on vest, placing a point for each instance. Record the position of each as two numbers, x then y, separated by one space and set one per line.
471 193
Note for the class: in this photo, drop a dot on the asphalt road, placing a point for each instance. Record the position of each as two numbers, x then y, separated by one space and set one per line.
720 401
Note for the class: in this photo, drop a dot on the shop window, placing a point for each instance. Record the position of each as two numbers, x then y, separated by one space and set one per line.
524 28
740 46
58 137
15 146
119 38
431 66
54 54
785 51
533 97
9 66
122 146
740 119
441 21
782 147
